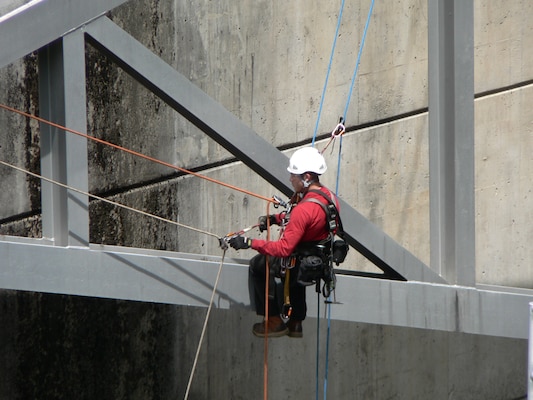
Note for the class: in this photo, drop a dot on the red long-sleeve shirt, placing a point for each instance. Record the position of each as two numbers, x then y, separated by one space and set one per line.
307 223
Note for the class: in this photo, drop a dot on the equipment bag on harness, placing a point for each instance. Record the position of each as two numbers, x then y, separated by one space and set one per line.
319 266
340 248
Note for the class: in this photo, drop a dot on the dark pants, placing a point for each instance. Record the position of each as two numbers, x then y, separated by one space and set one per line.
257 277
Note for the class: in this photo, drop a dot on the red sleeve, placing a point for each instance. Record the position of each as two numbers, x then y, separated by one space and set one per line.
306 224
293 233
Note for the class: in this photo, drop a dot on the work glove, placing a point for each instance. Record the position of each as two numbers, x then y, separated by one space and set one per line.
263 222
240 242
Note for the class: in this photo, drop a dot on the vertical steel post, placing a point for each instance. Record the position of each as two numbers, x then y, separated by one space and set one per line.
451 139
62 99
530 355
76 146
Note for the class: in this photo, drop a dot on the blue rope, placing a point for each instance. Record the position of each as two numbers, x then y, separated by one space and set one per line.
317 343
327 351
358 58
338 175
338 180
339 19
327 74
338 168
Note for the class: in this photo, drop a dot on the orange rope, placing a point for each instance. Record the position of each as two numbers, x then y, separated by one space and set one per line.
267 276
327 144
269 200
338 131
135 153
107 200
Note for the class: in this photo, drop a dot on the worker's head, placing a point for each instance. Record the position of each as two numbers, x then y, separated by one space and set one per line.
305 166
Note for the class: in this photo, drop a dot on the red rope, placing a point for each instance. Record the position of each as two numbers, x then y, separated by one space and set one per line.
135 153
267 279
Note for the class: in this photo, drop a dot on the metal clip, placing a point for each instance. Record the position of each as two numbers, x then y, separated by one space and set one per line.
223 242
279 202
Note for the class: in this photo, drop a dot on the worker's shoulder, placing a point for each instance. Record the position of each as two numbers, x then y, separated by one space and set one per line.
323 194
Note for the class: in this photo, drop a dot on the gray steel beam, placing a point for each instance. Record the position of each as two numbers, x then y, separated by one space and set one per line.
173 278
62 99
530 355
31 27
77 164
267 161
451 139
53 148
183 279
121 273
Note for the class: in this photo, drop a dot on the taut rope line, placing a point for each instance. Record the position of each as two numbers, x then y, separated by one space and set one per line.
204 328
337 132
265 342
133 152
107 200
158 218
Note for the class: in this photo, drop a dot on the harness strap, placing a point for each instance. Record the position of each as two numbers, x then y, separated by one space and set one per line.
334 226
333 217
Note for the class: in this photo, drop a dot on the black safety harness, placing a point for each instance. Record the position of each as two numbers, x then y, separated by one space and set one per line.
316 259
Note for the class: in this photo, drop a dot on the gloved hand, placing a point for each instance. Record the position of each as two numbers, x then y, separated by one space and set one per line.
263 222
240 242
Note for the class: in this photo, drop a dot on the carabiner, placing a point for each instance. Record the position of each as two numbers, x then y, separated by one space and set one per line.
338 131
279 202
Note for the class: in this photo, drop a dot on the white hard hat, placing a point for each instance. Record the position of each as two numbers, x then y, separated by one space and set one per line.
305 160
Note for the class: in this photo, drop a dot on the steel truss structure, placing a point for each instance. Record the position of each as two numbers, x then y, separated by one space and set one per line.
408 294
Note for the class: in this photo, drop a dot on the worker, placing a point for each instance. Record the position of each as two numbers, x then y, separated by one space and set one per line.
303 229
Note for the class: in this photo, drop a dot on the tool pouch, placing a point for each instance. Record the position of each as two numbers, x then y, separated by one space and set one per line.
340 250
311 270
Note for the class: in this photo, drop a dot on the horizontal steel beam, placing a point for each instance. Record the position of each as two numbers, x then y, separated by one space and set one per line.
184 279
120 273
39 23
501 312
226 129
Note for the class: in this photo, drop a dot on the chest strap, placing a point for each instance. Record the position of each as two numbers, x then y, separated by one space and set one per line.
333 219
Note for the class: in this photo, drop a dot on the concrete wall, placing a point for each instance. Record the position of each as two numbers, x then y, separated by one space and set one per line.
270 73
266 62
64 347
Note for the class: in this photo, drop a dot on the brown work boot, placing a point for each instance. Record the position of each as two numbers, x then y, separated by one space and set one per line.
276 327
295 328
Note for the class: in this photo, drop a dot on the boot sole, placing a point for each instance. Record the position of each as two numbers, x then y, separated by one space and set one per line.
271 334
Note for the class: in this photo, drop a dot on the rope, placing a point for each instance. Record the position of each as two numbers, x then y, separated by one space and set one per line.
328 334
328 72
339 19
42 120
337 132
265 343
107 200
155 217
358 58
135 153
204 328
317 342
101 141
